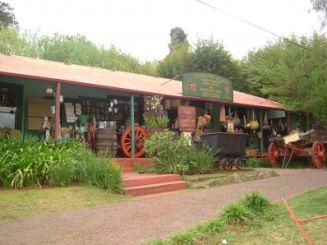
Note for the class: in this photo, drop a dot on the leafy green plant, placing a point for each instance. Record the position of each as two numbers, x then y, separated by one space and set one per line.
167 151
61 174
162 122
199 160
173 154
101 172
38 162
236 213
256 202
113 178
156 122
150 122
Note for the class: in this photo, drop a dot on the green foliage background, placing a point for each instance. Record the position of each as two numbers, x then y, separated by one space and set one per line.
289 74
71 49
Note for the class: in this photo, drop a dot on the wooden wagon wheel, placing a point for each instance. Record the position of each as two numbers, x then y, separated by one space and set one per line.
273 154
318 154
126 142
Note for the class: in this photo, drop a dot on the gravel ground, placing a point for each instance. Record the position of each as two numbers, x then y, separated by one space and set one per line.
149 217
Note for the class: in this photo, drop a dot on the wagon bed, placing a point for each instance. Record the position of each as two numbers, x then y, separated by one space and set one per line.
228 144
310 144
230 148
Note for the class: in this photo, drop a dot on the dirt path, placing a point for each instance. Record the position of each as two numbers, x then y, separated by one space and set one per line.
150 217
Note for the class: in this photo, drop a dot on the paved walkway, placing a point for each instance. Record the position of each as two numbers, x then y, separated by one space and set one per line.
150 217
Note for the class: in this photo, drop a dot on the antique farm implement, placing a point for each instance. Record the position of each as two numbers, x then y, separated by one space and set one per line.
230 148
310 144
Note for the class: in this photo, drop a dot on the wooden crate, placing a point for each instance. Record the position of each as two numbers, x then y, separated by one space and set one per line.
35 123
37 109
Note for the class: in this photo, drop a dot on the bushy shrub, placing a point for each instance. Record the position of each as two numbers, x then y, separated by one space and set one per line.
173 154
167 151
38 162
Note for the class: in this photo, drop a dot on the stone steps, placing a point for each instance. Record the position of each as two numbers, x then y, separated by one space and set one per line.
155 188
145 179
143 184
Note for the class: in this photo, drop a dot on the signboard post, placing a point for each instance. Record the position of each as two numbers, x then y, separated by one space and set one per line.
187 118
207 85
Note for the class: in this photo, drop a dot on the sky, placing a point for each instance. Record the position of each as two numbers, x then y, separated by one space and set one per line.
141 27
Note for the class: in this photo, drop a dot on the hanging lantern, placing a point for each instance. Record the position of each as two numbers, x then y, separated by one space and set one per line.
49 91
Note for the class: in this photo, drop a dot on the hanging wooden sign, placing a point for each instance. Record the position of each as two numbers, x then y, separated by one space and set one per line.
187 118
207 85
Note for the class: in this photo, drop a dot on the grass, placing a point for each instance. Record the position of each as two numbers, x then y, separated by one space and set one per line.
239 225
282 229
31 202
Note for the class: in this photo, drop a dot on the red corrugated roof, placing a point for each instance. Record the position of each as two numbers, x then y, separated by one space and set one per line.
11 65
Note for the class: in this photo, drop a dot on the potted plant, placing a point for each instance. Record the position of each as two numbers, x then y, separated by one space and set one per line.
154 117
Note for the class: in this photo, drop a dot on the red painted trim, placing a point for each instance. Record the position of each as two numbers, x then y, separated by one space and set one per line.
48 79
57 120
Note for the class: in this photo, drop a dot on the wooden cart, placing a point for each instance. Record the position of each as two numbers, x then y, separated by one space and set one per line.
311 144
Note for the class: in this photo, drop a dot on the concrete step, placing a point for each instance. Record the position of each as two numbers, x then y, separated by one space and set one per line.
146 179
127 169
155 188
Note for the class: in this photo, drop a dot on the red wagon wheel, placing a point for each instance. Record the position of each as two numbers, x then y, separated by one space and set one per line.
126 142
273 154
318 154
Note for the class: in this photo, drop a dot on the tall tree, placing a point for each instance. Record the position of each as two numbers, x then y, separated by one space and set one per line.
320 6
74 49
7 17
178 38
210 56
204 56
175 63
291 75
12 41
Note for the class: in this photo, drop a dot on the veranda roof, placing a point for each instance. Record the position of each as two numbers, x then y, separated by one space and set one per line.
17 66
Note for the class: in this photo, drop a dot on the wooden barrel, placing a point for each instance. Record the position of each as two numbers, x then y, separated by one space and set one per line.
106 141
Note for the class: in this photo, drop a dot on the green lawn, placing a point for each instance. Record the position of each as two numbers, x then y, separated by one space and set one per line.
30 202
277 228
282 230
